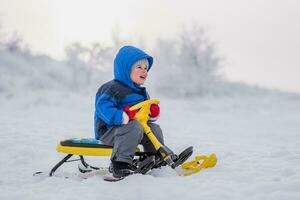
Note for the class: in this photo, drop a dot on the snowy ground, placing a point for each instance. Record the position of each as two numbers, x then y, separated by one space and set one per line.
256 140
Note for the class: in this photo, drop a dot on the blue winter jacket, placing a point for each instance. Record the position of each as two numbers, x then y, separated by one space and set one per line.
114 95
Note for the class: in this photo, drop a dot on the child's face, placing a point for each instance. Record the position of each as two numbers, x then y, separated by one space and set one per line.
139 74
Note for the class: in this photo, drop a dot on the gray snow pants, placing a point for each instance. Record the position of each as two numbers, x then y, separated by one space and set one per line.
126 138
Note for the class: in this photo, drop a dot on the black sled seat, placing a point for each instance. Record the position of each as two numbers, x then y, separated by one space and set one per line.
84 147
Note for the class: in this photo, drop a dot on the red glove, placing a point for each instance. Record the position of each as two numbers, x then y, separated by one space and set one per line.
154 110
130 113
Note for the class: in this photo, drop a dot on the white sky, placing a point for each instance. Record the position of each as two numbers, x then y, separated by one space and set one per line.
259 38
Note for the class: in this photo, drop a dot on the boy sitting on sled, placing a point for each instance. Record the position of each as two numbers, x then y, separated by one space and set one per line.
114 124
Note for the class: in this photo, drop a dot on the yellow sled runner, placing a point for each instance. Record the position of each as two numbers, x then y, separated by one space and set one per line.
146 161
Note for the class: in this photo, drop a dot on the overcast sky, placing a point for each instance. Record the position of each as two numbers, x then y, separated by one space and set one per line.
260 39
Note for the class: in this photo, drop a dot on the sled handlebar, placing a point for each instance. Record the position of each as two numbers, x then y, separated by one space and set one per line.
144 110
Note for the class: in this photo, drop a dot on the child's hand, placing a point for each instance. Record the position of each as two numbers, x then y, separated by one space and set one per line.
130 114
154 112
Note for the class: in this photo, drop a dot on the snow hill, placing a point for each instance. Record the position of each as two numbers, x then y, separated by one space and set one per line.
253 131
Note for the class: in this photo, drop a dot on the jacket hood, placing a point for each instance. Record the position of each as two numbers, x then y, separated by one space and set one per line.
123 62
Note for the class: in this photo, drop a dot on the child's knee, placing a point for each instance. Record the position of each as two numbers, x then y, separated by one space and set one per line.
136 128
135 125
155 127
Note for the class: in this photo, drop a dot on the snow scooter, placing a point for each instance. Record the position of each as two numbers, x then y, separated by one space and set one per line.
144 161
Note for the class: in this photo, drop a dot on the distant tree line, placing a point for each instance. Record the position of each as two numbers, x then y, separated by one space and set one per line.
187 65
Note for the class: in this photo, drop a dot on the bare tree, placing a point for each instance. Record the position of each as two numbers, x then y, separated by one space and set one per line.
75 59
188 65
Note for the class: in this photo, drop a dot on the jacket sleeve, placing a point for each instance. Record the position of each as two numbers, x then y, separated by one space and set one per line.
106 109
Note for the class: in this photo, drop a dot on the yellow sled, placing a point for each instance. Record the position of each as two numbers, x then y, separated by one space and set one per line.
93 147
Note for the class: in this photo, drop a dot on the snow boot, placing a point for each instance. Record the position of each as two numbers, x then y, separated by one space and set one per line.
121 169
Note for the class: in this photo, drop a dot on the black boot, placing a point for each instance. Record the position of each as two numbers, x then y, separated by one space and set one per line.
121 169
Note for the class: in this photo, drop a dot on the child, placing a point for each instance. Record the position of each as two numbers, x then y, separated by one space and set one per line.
114 124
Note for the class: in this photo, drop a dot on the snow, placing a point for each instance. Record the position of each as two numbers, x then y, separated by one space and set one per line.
255 137
256 141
